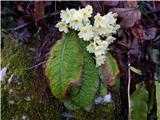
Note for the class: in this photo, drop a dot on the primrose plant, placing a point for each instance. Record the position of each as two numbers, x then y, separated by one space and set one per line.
99 34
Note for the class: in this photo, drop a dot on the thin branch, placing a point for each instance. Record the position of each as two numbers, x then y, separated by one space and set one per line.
152 12
36 65
129 84
26 24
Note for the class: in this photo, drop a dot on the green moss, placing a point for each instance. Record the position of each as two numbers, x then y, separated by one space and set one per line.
19 59
99 112
34 110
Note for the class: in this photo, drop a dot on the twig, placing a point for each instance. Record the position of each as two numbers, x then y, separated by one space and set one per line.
26 24
155 11
36 65
129 84
55 7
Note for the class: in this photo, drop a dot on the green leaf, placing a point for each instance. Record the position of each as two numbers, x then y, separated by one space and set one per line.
70 105
157 74
64 65
158 98
116 88
152 97
103 89
154 54
110 71
135 70
139 101
89 81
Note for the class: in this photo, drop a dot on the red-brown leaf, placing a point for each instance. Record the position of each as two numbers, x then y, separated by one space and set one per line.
39 10
138 32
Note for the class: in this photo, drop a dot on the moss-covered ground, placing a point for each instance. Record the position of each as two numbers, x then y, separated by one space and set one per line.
18 100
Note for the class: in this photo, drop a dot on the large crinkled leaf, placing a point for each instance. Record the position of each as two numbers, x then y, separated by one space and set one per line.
139 101
103 89
70 105
110 71
64 66
158 98
89 81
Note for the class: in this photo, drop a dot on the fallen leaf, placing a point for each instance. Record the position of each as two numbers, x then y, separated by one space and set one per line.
20 8
110 71
129 16
135 70
97 6
132 4
83 3
39 10
150 33
138 32
142 34
110 3
136 50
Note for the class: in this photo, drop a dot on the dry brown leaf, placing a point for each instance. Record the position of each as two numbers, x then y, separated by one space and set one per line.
138 32
129 16
39 10
142 34
110 3
132 4
20 8
150 33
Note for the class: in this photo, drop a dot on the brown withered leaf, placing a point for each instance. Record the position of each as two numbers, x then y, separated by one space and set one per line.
132 4
142 34
138 32
110 3
150 33
129 16
110 71
97 6
83 3
39 10
137 50
20 8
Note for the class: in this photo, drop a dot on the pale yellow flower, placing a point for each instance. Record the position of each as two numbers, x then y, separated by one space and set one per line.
87 13
76 20
98 20
62 26
99 50
86 33
89 9
110 18
66 15
100 60
99 30
110 39
91 48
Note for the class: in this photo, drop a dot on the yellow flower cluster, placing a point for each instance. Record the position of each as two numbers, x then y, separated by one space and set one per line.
99 34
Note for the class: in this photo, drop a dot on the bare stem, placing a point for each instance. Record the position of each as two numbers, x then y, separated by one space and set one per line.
26 24
129 84
36 65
